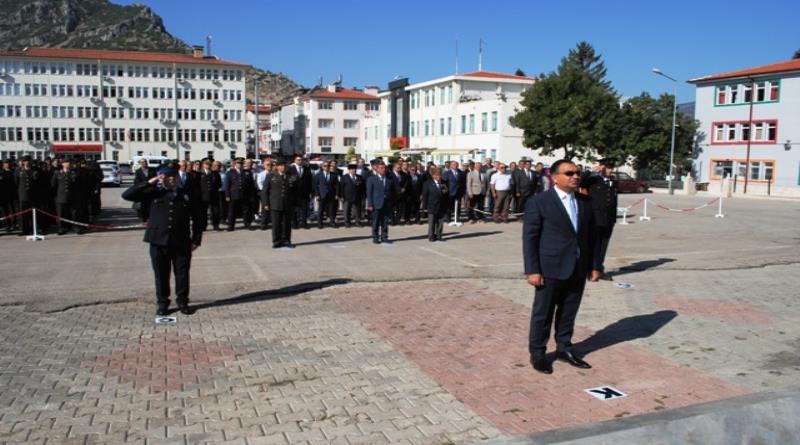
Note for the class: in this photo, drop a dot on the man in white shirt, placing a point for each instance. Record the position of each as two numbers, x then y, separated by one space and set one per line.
501 184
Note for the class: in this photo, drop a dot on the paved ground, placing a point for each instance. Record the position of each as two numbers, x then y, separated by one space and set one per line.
340 341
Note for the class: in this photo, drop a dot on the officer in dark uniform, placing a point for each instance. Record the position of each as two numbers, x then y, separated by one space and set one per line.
173 232
239 190
210 183
602 188
26 179
280 197
352 191
64 182
7 194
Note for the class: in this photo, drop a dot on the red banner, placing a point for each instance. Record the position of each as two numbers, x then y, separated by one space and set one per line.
77 148
399 142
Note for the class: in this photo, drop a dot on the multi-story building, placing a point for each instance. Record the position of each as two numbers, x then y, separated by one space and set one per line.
262 118
323 122
750 128
462 116
119 104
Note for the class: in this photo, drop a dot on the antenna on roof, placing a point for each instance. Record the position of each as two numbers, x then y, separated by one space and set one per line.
339 80
456 56
480 54
320 81
208 45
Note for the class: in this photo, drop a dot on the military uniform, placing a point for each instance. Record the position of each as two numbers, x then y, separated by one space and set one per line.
172 229
603 192
7 198
65 184
26 180
280 194
210 183
240 190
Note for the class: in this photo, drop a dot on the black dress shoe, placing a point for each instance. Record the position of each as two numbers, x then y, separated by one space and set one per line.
185 309
162 311
289 245
542 365
570 358
376 241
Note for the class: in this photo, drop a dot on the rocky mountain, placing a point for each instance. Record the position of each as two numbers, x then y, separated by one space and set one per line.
104 25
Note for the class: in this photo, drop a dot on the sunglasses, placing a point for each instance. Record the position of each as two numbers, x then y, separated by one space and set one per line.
570 173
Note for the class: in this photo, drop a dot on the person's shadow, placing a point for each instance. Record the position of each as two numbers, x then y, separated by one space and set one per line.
627 329
640 266
265 295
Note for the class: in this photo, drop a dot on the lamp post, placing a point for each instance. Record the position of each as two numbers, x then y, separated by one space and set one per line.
674 112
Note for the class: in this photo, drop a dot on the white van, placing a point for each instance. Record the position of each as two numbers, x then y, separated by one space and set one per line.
152 161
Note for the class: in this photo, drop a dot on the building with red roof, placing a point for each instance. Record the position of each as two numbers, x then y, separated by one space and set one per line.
750 129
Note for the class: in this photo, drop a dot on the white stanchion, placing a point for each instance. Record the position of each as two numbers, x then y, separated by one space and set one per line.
454 222
644 216
719 210
624 217
35 236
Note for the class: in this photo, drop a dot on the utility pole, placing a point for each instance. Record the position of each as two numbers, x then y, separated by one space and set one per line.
480 54
255 113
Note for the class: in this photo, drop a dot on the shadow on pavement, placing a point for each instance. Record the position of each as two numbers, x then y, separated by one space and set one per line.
265 295
640 266
422 236
627 329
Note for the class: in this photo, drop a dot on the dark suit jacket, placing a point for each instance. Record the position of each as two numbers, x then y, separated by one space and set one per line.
381 196
456 182
326 189
304 183
352 190
280 191
240 185
550 246
604 199
524 186
415 187
210 183
435 199
139 177
66 186
174 218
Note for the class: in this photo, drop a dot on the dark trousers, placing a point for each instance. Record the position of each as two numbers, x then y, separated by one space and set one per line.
351 208
476 203
559 299
380 223
234 208
412 210
266 216
144 210
215 205
301 213
27 218
204 215
604 236
171 259
281 227
327 206
399 210
64 210
245 206
7 208
451 213
435 225
521 201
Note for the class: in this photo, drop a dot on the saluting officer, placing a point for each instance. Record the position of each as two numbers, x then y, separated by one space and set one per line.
64 182
26 179
173 231
280 198
602 188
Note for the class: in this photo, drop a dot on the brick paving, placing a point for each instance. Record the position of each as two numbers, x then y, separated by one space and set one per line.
474 343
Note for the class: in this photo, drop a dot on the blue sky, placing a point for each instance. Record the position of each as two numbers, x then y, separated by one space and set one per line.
371 42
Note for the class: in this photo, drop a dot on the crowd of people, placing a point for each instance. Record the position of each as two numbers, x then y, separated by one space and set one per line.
67 188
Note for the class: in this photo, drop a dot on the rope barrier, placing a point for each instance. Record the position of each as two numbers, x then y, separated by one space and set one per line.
687 209
14 215
93 226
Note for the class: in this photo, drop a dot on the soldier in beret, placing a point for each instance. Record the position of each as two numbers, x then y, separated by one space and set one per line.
280 198
602 188
173 231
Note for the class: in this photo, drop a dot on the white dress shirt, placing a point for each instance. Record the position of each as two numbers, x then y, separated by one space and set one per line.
570 205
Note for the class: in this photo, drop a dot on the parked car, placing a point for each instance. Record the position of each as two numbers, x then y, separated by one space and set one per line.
112 164
125 169
111 175
626 183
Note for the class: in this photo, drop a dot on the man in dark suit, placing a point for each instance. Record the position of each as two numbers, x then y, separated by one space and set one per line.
401 184
455 185
326 187
381 194
602 188
210 183
351 194
240 188
436 199
559 255
416 182
64 182
142 175
525 183
279 195
173 232
305 191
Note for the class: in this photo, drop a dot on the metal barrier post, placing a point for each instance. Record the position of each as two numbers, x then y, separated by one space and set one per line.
455 222
625 217
644 217
35 236
719 210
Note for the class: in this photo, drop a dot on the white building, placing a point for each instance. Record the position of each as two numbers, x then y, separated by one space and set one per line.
324 122
119 104
264 113
755 110
457 117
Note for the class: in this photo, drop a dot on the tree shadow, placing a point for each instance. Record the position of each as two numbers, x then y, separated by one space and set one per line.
641 266
627 329
265 295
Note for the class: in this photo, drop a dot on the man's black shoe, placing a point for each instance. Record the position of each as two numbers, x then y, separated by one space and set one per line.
162 311
376 241
542 365
570 358
185 309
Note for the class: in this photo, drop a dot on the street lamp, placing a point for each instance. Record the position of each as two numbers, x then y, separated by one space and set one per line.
674 112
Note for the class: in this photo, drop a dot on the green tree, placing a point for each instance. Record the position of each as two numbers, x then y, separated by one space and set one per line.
519 72
796 54
574 109
645 136
351 152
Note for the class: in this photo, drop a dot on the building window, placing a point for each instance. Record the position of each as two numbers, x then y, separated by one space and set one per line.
766 91
484 122
762 132
427 127
350 142
325 105
494 120
325 123
441 126
350 106
472 123
413 128
760 170
463 124
449 126
350 123
325 141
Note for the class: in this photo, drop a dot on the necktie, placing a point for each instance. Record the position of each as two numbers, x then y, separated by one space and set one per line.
528 172
326 177
573 212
